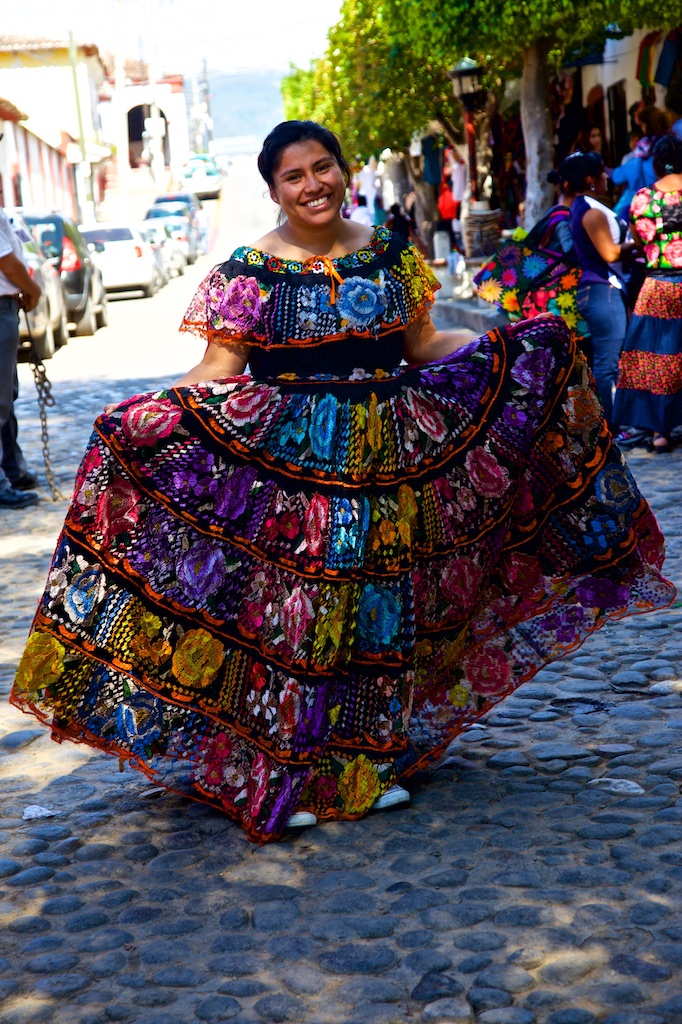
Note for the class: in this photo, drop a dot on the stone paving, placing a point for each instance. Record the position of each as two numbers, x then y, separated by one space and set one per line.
535 879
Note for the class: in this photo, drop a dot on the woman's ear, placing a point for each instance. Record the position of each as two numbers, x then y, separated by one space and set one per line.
273 196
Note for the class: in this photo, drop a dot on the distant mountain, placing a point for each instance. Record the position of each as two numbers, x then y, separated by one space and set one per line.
243 104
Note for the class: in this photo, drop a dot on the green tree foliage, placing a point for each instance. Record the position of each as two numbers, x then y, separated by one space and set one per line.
369 86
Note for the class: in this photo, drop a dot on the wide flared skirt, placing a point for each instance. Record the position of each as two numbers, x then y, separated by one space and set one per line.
292 593
649 390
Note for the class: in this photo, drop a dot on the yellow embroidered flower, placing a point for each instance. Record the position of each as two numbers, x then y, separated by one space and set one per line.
510 302
197 658
150 624
359 785
42 663
374 427
459 696
334 713
570 318
565 301
387 532
490 291
154 652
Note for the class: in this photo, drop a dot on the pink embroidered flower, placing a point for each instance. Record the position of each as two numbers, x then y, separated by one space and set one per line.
461 582
428 419
509 277
118 509
257 788
314 524
523 572
646 229
640 203
488 477
247 404
672 252
297 614
148 421
488 670
240 304
652 253
466 498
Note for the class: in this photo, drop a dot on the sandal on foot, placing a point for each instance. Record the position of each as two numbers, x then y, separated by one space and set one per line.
632 438
396 796
301 820
662 447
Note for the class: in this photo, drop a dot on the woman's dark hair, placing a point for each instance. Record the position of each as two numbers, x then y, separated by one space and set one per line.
667 156
653 121
289 132
576 168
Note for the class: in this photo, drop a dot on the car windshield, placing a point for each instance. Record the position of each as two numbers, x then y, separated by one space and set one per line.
48 232
175 198
101 234
167 210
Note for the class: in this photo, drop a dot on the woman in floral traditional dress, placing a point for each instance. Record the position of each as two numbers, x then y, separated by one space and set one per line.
285 593
649 389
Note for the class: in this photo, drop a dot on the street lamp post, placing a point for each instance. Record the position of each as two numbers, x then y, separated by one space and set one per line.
466 86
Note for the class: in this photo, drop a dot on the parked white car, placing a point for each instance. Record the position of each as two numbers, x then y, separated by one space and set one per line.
167 248
124 257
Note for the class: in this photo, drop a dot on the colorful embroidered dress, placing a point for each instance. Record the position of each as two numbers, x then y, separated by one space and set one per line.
649 390
293 589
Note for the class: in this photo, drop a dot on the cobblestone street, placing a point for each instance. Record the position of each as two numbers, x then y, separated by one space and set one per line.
535 879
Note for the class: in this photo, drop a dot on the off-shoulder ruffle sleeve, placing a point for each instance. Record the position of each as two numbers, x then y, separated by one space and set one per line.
271 302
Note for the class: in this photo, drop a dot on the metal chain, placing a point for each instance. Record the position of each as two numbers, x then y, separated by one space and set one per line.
45 399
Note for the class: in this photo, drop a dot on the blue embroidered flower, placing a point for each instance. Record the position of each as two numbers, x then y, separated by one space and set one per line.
360 302
202 569
139 721
83 595
533 265
323 426
617 489
378 617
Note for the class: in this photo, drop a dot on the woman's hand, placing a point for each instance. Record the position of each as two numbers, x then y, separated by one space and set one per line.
425 344
108 409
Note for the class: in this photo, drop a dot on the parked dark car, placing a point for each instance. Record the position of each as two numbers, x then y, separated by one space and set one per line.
85 295
48 322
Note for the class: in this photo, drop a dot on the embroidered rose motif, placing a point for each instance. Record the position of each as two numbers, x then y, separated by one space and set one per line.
248 403
240 304
461 583
297 614
672 252
583 409
118 509
426 416
487 476
83 595
315 524
148 421
197 659
639 204
646 229
42 663
532 369
360 302
488 671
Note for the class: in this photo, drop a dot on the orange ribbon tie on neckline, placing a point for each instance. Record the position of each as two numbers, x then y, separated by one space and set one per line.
329 269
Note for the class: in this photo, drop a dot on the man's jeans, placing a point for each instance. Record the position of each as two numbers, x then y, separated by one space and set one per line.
604 310
12 463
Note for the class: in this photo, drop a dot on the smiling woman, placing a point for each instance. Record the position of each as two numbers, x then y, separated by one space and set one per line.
283 593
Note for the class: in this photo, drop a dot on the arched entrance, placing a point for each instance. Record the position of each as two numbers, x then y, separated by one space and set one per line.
138 136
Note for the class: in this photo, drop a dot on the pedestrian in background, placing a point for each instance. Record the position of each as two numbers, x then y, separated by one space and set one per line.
285 593
361 213
649 391
600 298
18 291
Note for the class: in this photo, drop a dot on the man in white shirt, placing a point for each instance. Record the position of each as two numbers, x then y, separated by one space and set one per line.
362 213
18 291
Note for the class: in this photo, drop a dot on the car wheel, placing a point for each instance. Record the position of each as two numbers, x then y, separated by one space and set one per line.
44 346
181 268
87 325
149 291
103 315
61 332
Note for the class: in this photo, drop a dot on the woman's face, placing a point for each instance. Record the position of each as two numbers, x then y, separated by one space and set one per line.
308 185
595 139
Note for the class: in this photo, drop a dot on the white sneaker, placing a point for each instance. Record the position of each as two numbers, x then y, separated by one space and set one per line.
393 797
301 819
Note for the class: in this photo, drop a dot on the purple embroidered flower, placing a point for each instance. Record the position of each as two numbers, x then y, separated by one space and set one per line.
598 592
240 305
233 493
531 369
514 417
202 569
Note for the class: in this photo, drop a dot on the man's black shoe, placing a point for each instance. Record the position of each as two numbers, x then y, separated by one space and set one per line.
26 482
9 498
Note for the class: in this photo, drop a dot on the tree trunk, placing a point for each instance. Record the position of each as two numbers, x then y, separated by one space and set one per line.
537 136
